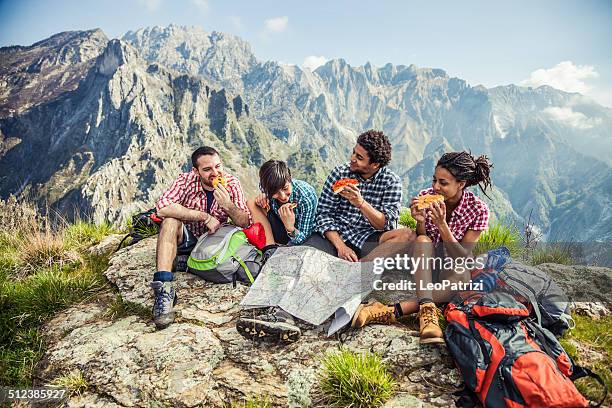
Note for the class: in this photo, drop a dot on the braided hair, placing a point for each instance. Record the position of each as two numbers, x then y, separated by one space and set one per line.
465 167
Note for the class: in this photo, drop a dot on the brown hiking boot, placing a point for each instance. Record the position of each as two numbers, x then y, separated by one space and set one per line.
373 313
429 327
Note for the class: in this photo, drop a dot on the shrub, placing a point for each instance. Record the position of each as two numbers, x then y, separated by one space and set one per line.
406 219
355 380
500 234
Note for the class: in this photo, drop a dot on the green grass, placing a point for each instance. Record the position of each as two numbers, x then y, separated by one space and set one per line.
351 379
406 219
73 382
84 234
595 335
552 253
500 234
253 402
43 270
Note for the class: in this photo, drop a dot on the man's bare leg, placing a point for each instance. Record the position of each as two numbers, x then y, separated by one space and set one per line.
261 216
170 235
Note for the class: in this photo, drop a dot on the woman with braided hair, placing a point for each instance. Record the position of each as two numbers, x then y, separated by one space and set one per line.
447 229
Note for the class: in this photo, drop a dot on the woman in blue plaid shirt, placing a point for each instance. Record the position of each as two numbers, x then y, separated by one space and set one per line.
286 207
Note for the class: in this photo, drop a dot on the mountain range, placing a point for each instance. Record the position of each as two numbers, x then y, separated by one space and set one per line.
103 126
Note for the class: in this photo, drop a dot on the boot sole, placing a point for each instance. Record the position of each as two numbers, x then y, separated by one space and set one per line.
433 340
279 333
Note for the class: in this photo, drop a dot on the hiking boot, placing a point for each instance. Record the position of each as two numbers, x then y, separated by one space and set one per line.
429 327
272 327
374 312
165 299
180 263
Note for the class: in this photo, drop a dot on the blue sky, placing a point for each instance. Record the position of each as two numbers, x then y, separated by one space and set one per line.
565 44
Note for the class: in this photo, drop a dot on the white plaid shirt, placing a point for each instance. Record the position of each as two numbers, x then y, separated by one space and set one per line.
383 191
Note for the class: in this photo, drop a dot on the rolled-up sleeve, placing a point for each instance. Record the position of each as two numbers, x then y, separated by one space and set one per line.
238 197
306 221
392 203
174 194
328 203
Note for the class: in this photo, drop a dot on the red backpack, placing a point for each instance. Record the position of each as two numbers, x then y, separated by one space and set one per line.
507 359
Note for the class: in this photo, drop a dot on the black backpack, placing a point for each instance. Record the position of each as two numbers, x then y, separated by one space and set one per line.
143 225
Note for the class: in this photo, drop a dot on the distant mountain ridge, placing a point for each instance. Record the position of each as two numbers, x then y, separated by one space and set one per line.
550 148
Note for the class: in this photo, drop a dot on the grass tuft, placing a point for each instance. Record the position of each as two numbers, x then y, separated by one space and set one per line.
406 220
73 382
351 379
81 234
500 234
552 253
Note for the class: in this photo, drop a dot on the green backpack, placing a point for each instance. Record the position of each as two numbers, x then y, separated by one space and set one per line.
225 257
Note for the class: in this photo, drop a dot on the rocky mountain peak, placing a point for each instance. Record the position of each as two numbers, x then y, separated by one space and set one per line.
31 75
115 54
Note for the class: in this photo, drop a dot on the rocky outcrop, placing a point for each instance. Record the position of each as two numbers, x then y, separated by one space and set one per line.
201 360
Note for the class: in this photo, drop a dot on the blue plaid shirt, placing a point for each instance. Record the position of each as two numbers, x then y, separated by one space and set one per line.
383 191
306 198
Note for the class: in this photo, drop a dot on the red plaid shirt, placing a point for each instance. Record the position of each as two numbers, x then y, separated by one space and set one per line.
187 191
471 214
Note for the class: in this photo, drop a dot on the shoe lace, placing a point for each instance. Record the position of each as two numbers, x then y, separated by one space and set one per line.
430 314
162 298
384 316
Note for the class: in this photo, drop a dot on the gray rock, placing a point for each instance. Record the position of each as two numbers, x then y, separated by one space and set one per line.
201 359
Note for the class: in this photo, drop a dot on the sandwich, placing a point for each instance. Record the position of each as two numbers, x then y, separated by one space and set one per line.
340 184
425 201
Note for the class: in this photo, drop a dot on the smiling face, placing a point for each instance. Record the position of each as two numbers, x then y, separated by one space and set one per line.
446 184
282 195
360 162
209 166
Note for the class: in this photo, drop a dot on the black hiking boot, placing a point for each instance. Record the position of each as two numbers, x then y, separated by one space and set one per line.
275 326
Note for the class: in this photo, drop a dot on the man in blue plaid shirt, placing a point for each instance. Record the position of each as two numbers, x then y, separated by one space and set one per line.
352 223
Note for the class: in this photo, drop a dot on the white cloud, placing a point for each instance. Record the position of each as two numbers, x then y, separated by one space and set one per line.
150 5
313 61
276 24
201 4
236 22
565 76
569 117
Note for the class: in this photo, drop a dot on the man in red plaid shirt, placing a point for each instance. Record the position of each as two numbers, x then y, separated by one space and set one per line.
189 208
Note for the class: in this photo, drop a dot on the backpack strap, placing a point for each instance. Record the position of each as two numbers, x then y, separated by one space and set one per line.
479 339
122 241
246 268
225 244
581 372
